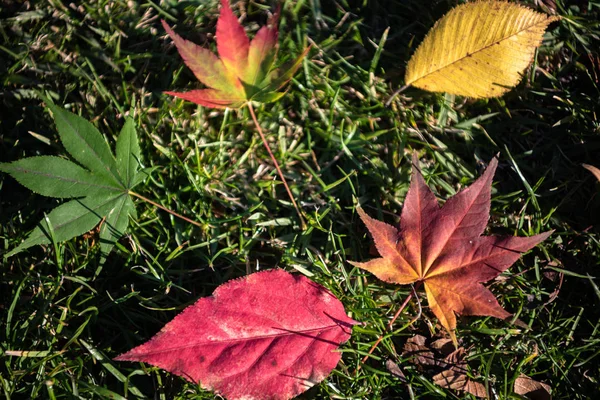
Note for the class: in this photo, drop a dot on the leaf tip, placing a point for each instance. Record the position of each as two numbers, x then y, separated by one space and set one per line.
543 236
168 29
518 323
452 333
360 211
415 159
595 171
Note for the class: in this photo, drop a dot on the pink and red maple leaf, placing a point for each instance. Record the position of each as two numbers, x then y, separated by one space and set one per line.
268 335
244 72
443 249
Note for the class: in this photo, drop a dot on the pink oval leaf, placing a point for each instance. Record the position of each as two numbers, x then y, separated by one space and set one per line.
268 335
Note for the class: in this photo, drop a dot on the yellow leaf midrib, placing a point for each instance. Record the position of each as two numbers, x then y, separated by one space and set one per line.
545 21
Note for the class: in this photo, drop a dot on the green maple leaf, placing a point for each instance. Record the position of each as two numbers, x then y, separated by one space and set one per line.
100 184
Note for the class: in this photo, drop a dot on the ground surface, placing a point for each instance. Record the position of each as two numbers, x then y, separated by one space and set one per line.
64 318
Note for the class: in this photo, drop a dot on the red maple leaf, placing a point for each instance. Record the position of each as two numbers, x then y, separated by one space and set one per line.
245 70
269 335
443 249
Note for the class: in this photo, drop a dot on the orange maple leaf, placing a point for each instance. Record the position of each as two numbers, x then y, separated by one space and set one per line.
443 249
245 70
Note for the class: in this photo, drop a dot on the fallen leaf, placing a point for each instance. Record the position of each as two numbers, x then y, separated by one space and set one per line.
455 360
534 390
428 355
443 249
593 170
446 364
269 335
98 183
245 70
451 379
395 370
444 346
479 49
419 352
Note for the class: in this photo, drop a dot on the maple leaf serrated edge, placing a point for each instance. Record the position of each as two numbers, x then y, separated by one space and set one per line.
452 273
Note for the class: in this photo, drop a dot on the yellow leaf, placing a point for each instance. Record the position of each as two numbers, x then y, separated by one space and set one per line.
478 49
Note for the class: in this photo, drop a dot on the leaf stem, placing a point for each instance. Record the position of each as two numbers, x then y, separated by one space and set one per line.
155 204
391 324
287 188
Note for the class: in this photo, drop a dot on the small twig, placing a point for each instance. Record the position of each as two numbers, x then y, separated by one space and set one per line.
396 93
416 317
391 324
283 180
155 204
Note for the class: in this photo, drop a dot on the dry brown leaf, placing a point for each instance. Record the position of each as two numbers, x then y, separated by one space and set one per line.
439 356
455 361
534 390
444 346
451 379
421 354
395 370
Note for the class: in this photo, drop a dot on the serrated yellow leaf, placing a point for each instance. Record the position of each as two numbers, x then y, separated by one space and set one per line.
478 49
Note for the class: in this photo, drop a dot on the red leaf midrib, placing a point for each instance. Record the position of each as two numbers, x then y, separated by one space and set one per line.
261 337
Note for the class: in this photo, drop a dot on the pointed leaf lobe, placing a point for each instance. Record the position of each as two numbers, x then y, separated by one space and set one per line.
444 249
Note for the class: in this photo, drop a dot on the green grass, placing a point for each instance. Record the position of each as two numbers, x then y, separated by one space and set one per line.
64 317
